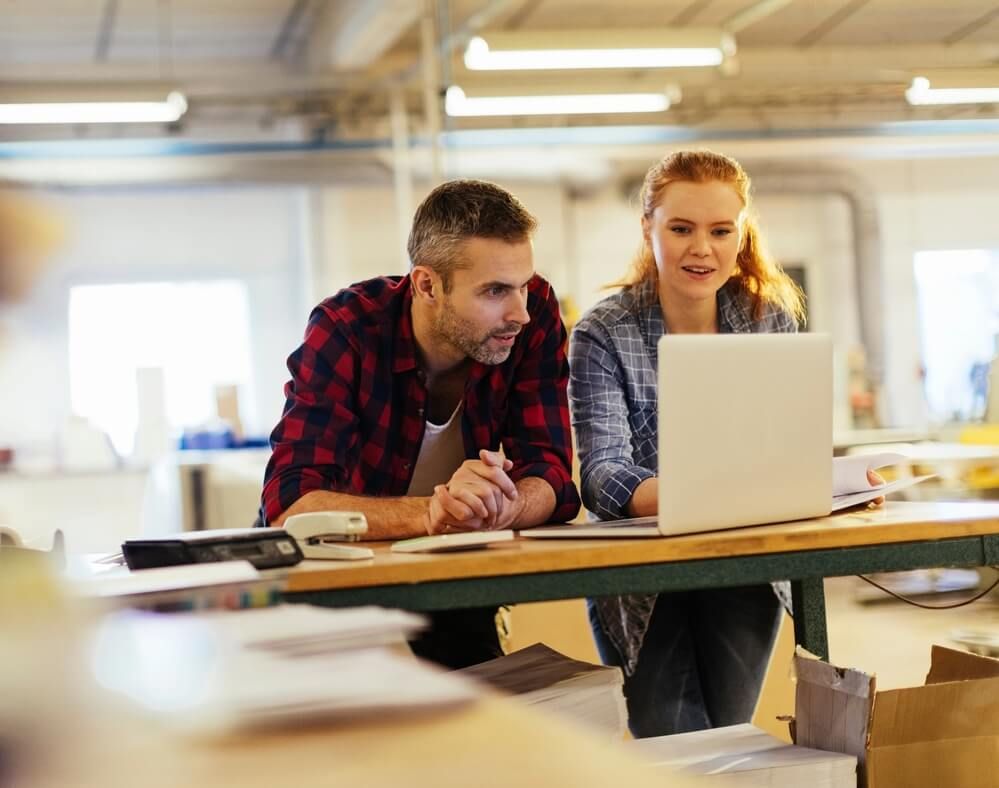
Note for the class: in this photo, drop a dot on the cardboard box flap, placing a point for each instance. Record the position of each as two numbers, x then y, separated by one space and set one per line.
955 763
947 664
832 707
936 712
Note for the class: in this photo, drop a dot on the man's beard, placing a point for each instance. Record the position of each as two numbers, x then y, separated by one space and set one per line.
460 334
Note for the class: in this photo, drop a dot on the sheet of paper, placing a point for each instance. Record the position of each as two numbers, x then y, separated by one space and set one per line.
167 578
261 690
297 630
202 673
850 473
853 499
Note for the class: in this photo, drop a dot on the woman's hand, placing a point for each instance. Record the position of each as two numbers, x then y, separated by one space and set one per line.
876 480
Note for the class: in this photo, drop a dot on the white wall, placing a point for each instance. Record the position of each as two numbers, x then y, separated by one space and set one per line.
359 237
924 204
253 234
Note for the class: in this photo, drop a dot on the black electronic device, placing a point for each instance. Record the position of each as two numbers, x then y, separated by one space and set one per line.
265 548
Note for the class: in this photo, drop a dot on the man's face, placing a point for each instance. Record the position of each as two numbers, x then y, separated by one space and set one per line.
486 307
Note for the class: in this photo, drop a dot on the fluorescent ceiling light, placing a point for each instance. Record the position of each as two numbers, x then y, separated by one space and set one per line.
566 49
457 104
96 111
920 93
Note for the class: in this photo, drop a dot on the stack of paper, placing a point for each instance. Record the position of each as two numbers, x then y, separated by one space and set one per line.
216 672
226 584
743 756
541 676
304 630
851 485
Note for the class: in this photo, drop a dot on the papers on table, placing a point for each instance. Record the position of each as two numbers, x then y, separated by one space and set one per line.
850 473
743 756
226 584
218 672
540 676
167 578
304 630
854 499
851 486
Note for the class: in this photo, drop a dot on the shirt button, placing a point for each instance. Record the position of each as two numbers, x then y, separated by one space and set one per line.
406 466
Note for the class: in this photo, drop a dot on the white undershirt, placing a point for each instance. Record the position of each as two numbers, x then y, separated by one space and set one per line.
441 452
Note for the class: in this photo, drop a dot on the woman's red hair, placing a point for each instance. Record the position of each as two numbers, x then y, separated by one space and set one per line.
759 275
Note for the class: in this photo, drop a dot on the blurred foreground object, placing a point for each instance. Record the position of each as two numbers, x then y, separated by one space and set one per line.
41 677
28 234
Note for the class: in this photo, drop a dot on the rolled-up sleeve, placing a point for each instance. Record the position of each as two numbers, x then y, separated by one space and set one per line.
318 431
600 417
537 435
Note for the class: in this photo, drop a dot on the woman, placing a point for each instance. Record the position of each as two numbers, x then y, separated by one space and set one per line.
692 660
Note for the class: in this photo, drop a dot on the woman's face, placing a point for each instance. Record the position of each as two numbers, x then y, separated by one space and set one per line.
695 233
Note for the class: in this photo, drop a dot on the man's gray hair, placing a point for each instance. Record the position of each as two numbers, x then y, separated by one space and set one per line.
458 210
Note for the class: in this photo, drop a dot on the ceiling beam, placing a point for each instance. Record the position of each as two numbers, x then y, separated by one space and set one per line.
289 28
105 30
753 14
352 34
688 13
782 65
973 26
832 21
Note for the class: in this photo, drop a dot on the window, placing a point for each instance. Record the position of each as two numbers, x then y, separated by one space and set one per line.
958 297
197 333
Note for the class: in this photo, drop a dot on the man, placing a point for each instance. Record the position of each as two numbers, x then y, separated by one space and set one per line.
435 402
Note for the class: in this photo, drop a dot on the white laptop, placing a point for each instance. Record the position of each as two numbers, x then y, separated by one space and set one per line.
745 435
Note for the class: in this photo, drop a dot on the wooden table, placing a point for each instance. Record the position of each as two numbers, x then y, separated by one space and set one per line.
898 536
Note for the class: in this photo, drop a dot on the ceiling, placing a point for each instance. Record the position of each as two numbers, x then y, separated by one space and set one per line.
328 74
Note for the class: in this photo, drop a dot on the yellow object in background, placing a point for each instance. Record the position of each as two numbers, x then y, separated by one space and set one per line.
28 234
986 475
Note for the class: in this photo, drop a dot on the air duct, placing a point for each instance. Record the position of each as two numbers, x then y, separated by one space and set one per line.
866 243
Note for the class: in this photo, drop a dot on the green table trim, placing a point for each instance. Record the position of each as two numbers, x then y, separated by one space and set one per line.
805 569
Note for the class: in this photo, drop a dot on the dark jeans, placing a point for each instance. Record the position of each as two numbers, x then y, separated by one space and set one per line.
459 638
702 662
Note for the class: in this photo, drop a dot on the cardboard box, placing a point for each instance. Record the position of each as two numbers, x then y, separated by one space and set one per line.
944 733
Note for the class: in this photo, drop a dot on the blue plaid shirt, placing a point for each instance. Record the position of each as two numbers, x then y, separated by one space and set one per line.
612 397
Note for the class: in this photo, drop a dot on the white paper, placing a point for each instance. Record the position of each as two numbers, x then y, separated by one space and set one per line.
333 686
207 673
540 676
167 578
853 499
746 756
298 630
850 473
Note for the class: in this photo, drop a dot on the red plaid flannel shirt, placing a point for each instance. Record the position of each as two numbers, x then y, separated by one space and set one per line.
354 415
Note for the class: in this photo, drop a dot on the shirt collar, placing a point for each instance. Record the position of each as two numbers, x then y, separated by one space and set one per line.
733 312
650 314
405 341
734 315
